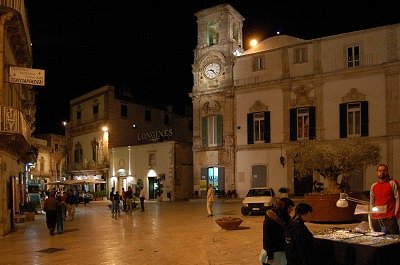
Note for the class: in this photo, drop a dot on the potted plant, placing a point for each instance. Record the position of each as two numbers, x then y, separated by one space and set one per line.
330 160
284 191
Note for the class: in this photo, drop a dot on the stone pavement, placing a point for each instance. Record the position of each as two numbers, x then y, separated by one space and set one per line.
166 233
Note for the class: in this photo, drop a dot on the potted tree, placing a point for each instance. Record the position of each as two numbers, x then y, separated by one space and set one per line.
331 160
284 191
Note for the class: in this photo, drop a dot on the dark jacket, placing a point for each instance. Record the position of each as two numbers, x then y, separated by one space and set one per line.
274 232
299 244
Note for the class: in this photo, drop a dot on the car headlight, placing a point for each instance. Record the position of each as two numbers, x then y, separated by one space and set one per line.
267 204
245 205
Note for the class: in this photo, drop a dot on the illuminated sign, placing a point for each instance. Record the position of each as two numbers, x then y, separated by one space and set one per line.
155 135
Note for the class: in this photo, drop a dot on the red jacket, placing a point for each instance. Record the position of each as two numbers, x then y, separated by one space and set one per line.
385 193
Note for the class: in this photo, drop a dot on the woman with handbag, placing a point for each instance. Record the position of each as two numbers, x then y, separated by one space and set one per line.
274 226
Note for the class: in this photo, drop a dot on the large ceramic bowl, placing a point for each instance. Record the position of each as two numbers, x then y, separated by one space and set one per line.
229 223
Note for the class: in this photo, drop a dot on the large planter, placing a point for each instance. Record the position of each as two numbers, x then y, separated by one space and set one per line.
30 216
325 209
229 223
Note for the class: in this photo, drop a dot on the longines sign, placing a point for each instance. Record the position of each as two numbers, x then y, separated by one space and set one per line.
27 76
155 135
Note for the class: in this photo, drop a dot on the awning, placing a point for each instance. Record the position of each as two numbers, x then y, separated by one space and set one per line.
77 182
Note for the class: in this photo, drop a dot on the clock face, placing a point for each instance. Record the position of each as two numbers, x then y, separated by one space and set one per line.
212 70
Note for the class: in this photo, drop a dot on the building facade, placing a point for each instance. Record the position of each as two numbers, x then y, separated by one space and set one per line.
164 168
50 160
17 111
250 108
109 118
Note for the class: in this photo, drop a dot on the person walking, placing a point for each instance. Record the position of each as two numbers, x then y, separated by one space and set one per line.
299 241
116 203
123 199
385 192
60 214
274 225
129 197
142 198
112 200
210 200
71 201
51 207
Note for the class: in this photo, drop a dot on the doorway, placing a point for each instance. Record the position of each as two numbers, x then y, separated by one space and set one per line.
258 176
153 185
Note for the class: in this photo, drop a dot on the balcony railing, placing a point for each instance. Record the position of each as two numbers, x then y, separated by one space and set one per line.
19 6
13 121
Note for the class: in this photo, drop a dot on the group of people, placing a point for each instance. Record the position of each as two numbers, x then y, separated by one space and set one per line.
59 207
287 240
128 202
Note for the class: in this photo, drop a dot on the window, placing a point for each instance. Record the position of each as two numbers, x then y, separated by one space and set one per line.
95 111
95 152
212 131
212 33
147 115
353 119
353 56
78 156
41 164
300 55
166 119
124 110
258 127
78 116
258 63
302 123
152 159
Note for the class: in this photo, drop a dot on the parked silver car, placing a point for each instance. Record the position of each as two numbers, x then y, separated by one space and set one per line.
258 200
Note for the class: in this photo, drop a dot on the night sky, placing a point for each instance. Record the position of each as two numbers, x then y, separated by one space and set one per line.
148 45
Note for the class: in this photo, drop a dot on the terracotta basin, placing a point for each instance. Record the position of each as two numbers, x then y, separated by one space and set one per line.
229 223
325 209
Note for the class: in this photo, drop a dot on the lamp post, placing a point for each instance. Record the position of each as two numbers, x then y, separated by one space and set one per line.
343 202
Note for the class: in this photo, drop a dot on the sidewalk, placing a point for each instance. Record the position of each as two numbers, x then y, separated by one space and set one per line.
166 233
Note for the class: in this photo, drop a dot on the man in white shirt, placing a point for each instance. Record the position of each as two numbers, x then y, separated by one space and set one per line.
210 200
142 197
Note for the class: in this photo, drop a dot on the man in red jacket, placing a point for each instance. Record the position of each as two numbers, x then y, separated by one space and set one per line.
385 192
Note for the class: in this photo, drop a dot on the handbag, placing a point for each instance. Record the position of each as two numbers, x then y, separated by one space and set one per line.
263 257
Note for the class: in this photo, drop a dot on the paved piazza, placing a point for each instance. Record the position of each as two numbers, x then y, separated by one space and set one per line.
166 233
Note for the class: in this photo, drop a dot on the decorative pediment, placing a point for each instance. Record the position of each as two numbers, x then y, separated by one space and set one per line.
258 106
353 95
210 107
302 96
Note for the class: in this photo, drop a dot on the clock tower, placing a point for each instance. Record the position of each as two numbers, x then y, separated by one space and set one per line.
219 38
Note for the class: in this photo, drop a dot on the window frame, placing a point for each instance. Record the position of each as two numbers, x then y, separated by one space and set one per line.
300 55
353 56
258 63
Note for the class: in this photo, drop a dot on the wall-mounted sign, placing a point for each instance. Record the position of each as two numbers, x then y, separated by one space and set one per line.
155 135
27 76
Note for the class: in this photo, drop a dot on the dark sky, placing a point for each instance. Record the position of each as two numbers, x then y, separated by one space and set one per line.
148 45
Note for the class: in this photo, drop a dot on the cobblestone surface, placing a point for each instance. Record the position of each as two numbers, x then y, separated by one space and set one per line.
166 233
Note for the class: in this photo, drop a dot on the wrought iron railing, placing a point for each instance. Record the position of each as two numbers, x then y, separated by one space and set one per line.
12 121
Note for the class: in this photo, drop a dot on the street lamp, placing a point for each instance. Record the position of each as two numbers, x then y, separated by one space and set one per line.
343 202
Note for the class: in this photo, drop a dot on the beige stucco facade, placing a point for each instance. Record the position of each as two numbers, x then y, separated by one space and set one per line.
171 162
17 111
283 74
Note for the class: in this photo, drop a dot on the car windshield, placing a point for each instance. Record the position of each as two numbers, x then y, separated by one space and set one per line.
259 192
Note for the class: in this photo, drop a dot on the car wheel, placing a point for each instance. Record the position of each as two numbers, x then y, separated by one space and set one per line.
244 211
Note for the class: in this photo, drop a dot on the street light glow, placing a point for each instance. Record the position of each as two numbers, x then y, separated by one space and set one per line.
253 42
